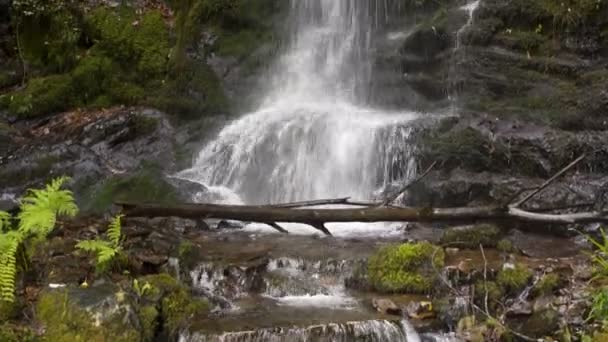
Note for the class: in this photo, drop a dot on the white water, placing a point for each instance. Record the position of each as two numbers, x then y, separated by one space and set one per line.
314 137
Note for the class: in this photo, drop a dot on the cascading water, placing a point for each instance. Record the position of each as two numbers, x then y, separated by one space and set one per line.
313 137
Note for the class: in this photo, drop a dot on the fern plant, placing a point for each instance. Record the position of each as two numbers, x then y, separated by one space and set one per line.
39 209
105 250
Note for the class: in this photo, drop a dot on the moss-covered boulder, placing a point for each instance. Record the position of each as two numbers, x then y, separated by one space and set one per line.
408 268
85 315
486 235
175 302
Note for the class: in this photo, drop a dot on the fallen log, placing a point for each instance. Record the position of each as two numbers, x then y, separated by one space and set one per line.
301 212
317 218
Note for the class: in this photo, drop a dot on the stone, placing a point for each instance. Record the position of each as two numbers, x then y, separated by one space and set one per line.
386 306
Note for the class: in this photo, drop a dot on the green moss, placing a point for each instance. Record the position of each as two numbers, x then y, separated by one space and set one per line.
514 279
547 285
468 148
64 321
44 95
145 186
471 237
14 333
151 41
495 294
93 77
149 319
405 268
8 310
505 246
178 306
524 41
192 92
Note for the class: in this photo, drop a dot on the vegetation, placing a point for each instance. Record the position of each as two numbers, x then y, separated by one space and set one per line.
486 235
514 279
38 213
106 251
410 267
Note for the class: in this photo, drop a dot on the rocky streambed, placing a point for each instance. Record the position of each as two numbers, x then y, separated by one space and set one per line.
238 285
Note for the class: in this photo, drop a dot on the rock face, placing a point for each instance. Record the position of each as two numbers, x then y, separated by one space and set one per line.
90 147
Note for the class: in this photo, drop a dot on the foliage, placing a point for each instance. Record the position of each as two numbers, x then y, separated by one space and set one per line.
472 236
42 95
105 250
600 257
38 212
40 207
49 32
409 267
599 307
5 221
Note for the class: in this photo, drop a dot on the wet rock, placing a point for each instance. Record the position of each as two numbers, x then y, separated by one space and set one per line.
187 191
100 150
386 306
543 303
420 310
520 308
540 324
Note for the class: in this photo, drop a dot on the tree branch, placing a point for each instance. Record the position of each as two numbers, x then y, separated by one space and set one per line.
396 195
549 181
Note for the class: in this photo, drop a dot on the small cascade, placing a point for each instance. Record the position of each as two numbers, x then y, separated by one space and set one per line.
470 8
375 330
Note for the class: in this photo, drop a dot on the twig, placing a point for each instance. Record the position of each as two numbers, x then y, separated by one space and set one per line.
278 227
485 313
321 226
549 181
485 278
343 200
390 199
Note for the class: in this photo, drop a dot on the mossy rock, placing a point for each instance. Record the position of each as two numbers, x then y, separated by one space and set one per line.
515 278
177 304
471 236
146 184
406 268
467 148
66 321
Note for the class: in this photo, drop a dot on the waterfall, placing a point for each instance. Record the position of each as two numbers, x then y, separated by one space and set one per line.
314 137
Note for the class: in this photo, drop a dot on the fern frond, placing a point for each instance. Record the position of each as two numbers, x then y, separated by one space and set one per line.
9 244
5 220
93 246
104 251
115 231
40 208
